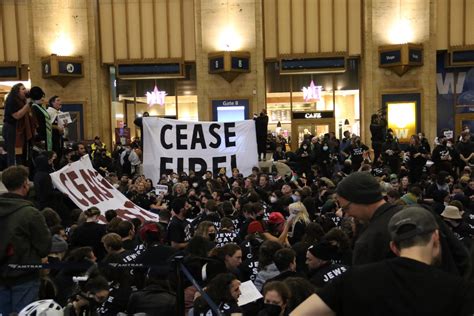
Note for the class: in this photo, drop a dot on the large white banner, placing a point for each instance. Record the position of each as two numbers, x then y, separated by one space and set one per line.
87 188
177 146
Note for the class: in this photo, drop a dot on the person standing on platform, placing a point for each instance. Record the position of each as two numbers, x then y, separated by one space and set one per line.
139 122
54 109
19 126
261 126
43 131
377 131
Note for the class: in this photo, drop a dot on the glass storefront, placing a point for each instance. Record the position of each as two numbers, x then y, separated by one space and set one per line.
338 94
129 99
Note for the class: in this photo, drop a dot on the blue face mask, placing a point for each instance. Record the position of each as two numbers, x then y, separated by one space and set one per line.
296 198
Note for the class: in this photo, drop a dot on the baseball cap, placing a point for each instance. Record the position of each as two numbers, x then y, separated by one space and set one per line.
255 227
410 222
276 218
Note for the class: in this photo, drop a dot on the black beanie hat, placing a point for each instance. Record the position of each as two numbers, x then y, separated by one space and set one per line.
324 250
36 93
360 188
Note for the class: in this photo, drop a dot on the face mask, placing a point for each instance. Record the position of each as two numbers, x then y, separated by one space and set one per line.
272 309
212 236
195 184
449 145
296 198
325 147
273 199
175 180
305 147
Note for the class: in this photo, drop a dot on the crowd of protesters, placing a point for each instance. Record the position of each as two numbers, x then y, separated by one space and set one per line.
312 230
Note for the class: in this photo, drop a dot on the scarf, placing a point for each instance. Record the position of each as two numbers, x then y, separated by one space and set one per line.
48 126
25 131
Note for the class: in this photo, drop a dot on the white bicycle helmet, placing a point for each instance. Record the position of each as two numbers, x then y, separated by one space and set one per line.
42 308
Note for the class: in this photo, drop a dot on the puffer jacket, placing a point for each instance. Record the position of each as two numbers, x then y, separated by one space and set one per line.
24 239
266 274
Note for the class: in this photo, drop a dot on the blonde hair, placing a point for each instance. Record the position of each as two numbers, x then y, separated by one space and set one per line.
301 215
179 184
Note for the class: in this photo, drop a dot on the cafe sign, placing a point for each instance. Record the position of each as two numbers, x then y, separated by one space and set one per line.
313 115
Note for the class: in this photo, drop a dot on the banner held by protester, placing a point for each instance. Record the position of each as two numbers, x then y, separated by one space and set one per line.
86 188
182 146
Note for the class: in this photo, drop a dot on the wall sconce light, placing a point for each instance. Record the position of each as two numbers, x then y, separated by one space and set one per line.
401 57
346 122
62 69
12 71
229 64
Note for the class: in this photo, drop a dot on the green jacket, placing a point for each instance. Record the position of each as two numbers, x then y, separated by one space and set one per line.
24 239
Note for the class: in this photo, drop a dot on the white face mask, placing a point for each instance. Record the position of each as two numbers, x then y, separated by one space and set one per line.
175 180
195 184
305 147
296 198
325 147
273 199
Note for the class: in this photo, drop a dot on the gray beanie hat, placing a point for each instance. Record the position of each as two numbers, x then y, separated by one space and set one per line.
58 244
360 188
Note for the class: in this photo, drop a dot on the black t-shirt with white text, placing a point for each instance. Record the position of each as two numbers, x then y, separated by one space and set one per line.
326 274
179 230
226 237
398 286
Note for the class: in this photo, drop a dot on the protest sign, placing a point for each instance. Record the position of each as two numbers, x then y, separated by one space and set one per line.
182 146
161 189
87 188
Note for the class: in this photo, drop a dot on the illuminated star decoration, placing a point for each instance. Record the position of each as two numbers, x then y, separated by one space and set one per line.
312 92
155 97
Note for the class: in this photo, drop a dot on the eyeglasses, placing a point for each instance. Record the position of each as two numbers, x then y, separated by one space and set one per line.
344 208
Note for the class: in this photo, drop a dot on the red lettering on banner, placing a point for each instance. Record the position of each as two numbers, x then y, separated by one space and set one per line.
126 214
92 185
103 184
81 187
62 178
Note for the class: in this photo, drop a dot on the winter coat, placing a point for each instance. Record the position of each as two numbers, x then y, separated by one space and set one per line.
24 239
373 244
152 300
265 274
